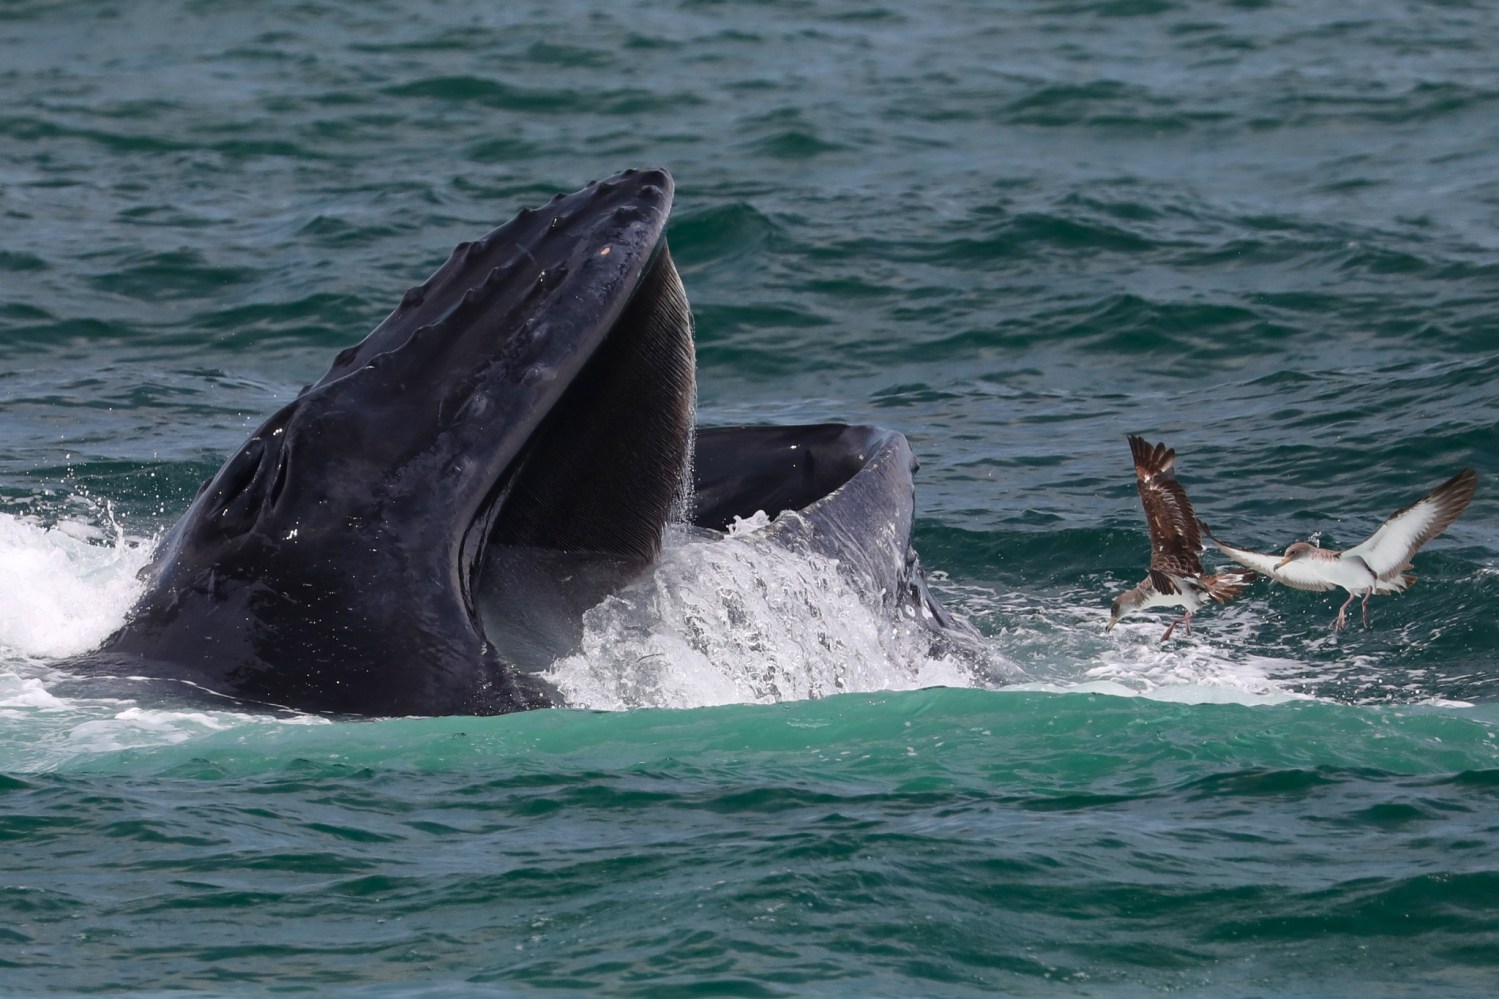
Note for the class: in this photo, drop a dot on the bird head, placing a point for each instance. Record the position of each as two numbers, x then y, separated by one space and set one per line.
1294 552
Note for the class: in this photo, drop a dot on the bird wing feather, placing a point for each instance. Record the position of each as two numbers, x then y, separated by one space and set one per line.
1297 575
1388 551
1174 540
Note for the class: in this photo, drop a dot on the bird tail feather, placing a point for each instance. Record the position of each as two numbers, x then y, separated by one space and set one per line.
1227 584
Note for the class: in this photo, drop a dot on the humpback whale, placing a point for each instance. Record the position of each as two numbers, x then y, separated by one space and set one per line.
419 531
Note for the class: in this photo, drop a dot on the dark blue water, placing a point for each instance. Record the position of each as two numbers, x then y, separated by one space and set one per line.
1265 233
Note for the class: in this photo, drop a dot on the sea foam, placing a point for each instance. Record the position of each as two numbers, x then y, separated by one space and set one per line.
64 586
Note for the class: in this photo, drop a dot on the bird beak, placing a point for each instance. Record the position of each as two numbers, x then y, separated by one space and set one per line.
1110 626
1283 561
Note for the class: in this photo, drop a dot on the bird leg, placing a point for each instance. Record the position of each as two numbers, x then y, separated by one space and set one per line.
1342 614
1185 619
1367 594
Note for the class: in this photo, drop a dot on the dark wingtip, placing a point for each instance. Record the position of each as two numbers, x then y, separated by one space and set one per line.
1456 493
1465 483
1153 458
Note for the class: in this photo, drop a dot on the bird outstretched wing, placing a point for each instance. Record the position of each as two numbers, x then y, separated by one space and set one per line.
1388 550
1297 575
1174 541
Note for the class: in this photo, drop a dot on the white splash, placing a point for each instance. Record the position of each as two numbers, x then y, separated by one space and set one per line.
736 619
64 587
757 521
133 727
740 619
1059 642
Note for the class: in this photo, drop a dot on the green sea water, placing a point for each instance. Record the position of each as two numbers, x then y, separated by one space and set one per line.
1266 233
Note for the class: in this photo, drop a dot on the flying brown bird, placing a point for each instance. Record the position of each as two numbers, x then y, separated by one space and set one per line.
1376 565
1175 578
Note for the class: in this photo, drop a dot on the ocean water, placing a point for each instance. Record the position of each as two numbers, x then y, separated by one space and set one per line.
1264 232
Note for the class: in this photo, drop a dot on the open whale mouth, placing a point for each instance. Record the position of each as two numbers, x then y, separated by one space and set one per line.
610 459
532 399
599 478
542 375
547 375
424 529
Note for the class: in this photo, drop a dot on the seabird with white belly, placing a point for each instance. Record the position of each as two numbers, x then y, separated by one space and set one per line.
1376 565
1175 578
